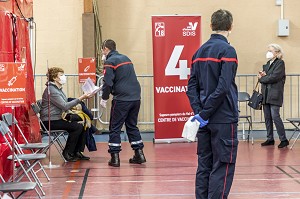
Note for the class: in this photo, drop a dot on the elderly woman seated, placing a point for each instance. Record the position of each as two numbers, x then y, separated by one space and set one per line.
58 104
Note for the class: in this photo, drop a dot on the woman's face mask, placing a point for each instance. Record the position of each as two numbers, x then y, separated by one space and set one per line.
103 57
269 55
63 79
104 53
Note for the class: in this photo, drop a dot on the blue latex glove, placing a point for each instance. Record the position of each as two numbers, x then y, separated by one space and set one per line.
202 122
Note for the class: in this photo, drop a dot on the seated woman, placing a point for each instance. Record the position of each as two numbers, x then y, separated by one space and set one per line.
58 104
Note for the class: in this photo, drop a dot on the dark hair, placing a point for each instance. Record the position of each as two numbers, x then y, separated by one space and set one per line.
221 20
110 44
53 73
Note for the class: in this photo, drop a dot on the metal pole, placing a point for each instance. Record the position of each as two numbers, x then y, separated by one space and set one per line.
49 121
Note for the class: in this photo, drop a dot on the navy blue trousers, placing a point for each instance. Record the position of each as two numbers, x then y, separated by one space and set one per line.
217 151
124 112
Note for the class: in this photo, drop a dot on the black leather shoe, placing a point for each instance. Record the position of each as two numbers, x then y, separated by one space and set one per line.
138 157
283 144
115 160
80 156
69 157
268 142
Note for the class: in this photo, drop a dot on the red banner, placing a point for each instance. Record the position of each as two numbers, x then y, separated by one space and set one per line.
86 68
13 83
175 40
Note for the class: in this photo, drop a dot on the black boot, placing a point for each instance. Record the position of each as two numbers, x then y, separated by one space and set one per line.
138 157
283 144
69 157
268 142
80 156
115 160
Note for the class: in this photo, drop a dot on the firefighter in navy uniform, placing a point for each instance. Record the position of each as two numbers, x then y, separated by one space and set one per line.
213 97
120 80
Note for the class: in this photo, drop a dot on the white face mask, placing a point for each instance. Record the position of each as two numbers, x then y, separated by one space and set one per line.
63 79
229 32
103 57
269 55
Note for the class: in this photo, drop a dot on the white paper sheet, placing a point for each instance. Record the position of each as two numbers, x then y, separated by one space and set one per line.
89 87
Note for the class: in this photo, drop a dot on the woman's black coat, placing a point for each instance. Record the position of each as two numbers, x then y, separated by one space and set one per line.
272 85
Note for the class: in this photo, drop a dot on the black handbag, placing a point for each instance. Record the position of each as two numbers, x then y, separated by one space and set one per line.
256 99
90 140
73 117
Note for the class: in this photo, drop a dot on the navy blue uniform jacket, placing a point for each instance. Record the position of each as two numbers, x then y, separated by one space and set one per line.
120 79
211 88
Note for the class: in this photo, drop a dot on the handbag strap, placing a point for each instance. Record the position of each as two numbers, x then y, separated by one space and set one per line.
256 86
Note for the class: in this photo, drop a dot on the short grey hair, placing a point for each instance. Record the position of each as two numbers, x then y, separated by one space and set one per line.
278 49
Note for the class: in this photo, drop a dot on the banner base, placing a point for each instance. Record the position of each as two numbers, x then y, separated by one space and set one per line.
170 140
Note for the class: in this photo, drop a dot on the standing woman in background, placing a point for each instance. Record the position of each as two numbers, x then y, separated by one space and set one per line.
272 79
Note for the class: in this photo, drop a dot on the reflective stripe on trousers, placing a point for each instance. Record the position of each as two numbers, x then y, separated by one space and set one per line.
136 142
114 144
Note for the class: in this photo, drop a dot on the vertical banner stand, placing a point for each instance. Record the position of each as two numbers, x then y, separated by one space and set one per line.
175 39
50 165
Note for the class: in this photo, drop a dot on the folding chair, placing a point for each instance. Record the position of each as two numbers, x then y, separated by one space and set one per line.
26 162
40 146
33 147
296 123
13 187
54 135
243 97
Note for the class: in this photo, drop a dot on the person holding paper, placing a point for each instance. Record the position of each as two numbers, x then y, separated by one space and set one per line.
120 80
58 104
213 97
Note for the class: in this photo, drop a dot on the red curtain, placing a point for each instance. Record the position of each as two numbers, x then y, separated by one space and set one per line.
6 39
15 47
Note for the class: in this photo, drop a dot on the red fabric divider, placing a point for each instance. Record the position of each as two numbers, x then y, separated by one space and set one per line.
6 6
26 7
6 39
15 47
5 165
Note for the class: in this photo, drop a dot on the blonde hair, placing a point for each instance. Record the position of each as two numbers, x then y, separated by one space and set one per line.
277 49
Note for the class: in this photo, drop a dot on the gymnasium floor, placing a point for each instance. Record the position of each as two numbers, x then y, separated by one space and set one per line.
261 172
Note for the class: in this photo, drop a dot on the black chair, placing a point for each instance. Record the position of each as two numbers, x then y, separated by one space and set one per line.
243 97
